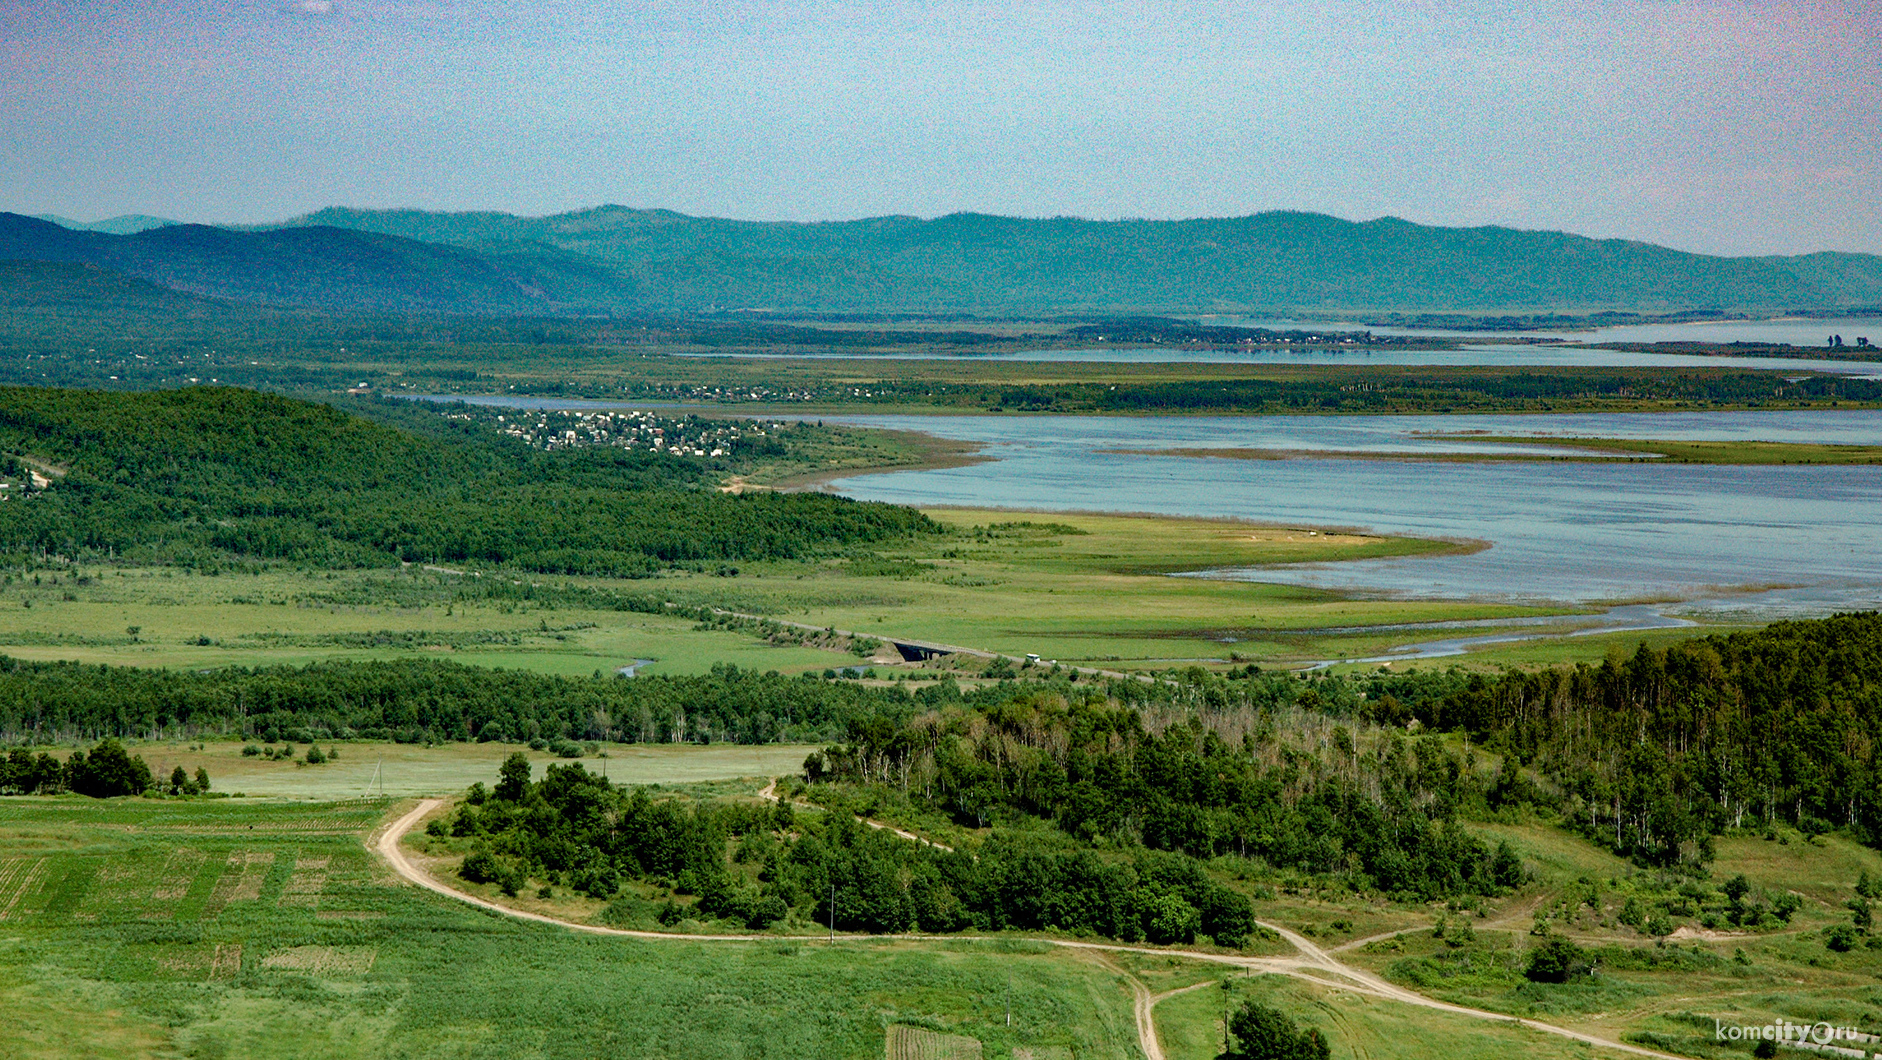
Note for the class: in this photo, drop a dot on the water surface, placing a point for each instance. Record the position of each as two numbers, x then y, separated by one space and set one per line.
1778 539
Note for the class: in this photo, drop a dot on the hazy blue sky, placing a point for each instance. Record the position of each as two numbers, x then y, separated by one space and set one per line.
1725 127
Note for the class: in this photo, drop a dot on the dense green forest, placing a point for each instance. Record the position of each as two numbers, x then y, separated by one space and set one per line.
1650 755
205 473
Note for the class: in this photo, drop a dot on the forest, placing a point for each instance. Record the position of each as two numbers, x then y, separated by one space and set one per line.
577 829
199 475
1367 775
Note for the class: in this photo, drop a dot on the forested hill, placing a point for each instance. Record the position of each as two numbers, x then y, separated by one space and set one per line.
204 474
1269 260
613 260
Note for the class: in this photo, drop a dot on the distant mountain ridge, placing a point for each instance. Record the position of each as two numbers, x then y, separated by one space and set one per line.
1269 260
612 259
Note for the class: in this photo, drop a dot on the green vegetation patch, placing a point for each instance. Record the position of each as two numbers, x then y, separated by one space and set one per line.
225 929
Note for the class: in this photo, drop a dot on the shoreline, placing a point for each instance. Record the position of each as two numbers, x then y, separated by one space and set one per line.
929 452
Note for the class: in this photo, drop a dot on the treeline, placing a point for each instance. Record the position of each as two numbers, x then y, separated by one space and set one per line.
196 474
758 864
425 700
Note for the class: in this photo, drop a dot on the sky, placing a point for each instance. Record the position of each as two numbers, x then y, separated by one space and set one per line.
1730 128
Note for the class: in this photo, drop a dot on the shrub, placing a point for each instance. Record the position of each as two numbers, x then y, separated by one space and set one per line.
479 867
565 749
1170 919
1263 1033
1840 937
1556 961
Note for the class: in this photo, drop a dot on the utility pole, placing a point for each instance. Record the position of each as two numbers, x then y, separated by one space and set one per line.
1225 1016
1009 999
833 913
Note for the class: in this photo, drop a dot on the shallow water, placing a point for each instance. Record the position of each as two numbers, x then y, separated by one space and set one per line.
1768 540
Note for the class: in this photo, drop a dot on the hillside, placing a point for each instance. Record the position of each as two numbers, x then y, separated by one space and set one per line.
329 268
205 475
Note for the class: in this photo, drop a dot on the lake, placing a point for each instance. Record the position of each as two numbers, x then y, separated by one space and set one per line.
1767 540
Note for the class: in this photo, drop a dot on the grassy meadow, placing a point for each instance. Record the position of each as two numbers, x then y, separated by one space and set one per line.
356 767
263 929
1080 588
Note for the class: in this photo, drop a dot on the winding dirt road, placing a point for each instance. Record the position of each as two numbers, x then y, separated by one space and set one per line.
1312 963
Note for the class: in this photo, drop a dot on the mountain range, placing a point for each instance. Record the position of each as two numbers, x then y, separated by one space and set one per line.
616 260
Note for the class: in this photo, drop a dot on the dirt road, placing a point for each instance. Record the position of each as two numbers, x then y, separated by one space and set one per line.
1312 962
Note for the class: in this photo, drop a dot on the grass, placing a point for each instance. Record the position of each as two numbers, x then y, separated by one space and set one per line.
1189 1026
264 928
410 769
1094 589
238 959
1081 588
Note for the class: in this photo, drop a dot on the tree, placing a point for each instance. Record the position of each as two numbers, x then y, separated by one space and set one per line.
202 779
513 777
1263 1033
179 781
1736 888
107 771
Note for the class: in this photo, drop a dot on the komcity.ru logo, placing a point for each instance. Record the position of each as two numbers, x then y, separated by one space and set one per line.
1822 1037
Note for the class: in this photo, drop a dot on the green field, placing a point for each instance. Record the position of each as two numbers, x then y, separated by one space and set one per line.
1079 588
399 770
1189 1025
252 929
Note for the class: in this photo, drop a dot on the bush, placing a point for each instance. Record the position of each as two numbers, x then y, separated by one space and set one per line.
1556 961
565 749
479 867
1840 937
1170 919
1263 1033
595 881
